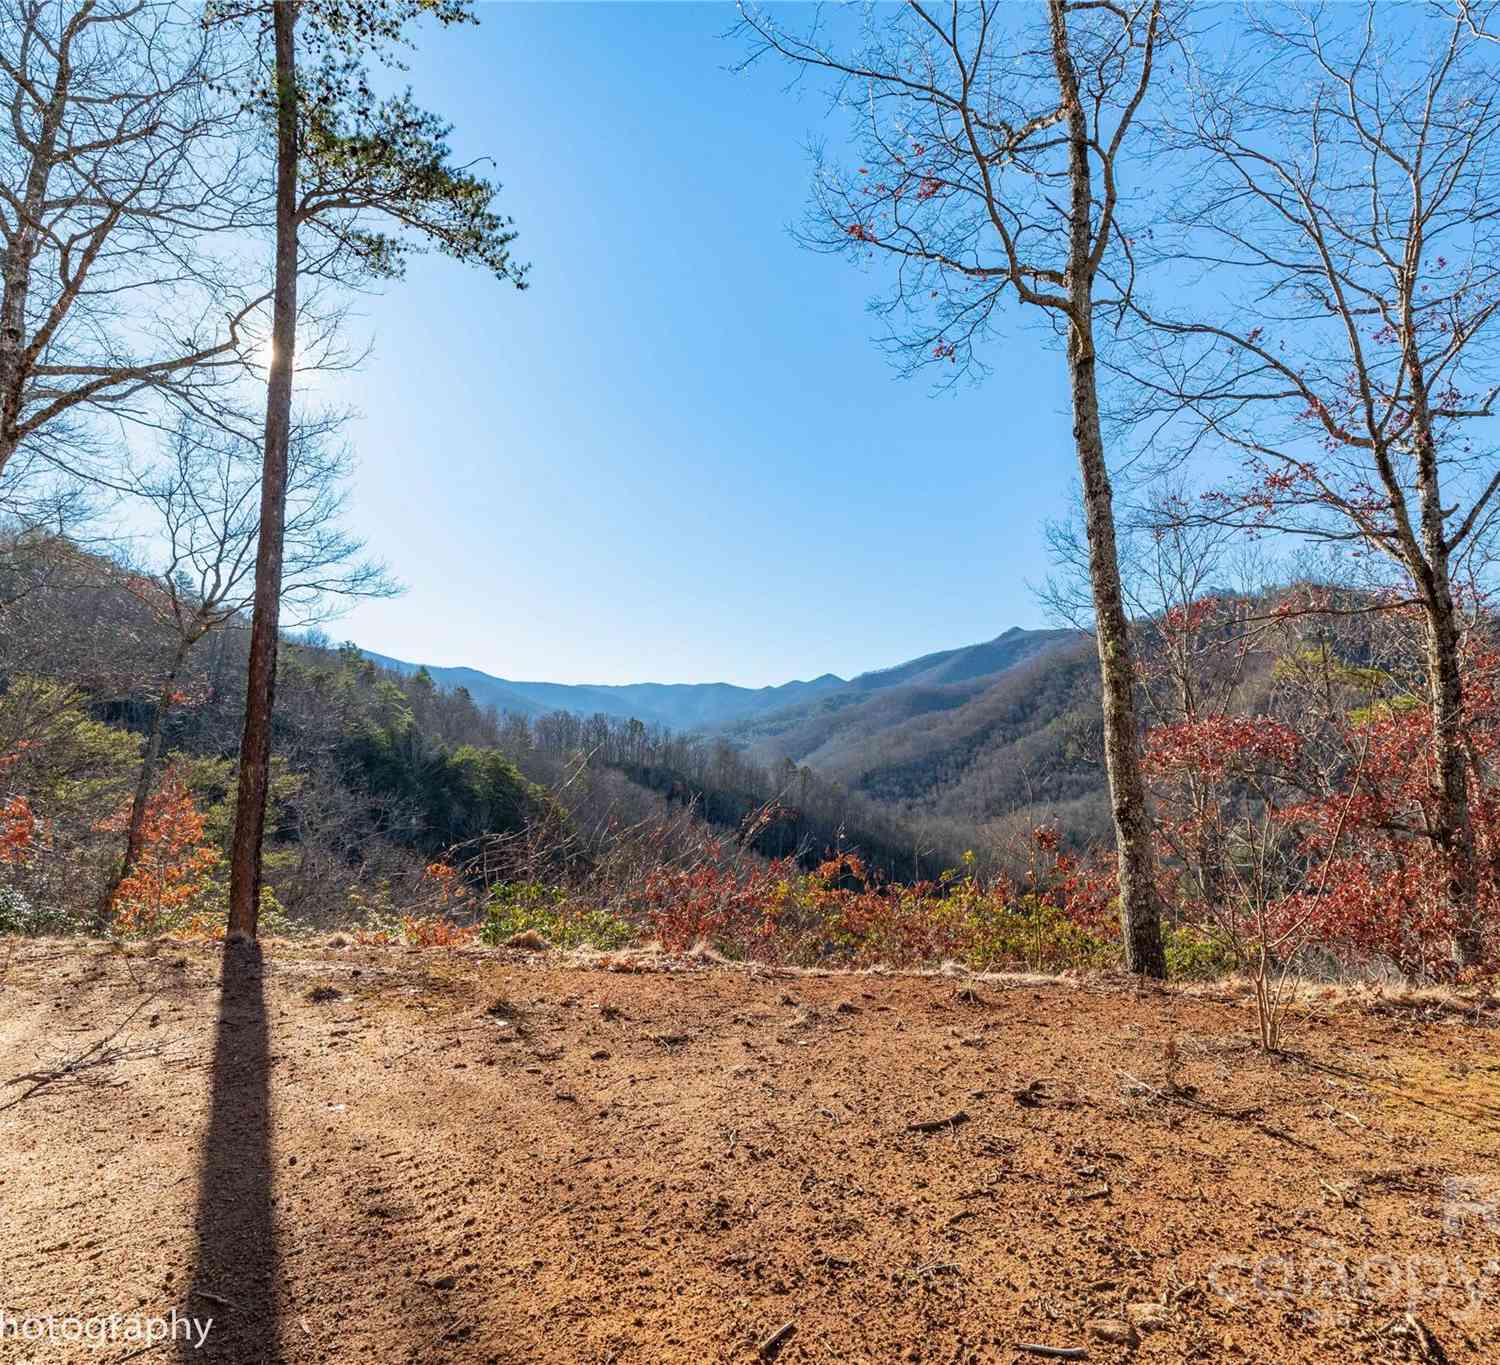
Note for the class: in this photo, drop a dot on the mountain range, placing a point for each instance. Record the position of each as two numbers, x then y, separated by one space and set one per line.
679 706
708 707
1002 730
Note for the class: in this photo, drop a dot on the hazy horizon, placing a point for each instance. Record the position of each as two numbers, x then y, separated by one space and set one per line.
678 682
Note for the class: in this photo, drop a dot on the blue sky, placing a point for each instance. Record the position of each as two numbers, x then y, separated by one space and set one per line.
680 456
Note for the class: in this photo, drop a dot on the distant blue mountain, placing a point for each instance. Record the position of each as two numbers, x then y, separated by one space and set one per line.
719 706
680 706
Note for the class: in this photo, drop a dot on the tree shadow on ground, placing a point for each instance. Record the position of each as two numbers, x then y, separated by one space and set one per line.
235 1262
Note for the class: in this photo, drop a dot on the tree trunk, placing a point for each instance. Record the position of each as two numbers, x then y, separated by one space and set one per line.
12 370
1454 820
1445 687
1140 912
265 619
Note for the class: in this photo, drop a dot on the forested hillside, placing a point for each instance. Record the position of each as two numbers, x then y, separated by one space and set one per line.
378 774
973 745
746 711
947 745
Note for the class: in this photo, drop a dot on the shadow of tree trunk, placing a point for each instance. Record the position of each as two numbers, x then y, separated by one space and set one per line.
234 1270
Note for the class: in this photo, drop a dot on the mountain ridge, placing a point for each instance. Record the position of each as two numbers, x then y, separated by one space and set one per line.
718 706
679 705
968 743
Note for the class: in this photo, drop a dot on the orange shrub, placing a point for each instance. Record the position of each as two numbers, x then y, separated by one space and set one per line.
435 931
17 830
173 866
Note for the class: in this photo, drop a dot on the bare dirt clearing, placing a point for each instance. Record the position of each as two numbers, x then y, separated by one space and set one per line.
373 1155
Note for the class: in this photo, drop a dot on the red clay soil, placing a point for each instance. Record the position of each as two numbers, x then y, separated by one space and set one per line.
380 1155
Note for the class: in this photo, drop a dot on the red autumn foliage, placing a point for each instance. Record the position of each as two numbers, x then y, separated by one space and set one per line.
18 822
436 931
1386 880
1217 746
17 830
1314 825
686 905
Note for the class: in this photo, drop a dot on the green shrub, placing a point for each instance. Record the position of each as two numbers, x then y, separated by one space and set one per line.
1034 933
1195 954
515 907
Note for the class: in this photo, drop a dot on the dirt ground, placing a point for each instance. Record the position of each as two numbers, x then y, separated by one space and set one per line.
383 1155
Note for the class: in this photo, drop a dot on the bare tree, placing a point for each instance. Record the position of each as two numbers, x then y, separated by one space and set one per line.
1340 328
992 149
120 183
347 164
205 500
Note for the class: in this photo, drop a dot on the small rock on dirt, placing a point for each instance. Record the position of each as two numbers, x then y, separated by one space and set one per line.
1115 1331
1148 1317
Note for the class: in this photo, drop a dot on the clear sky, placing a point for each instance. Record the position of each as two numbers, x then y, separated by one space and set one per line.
680 456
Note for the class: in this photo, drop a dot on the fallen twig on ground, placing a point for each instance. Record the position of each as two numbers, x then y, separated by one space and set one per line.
1175 1095
937 1125
98 1053
1247 1115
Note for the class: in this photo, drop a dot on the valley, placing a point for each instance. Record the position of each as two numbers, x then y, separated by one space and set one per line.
992 735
